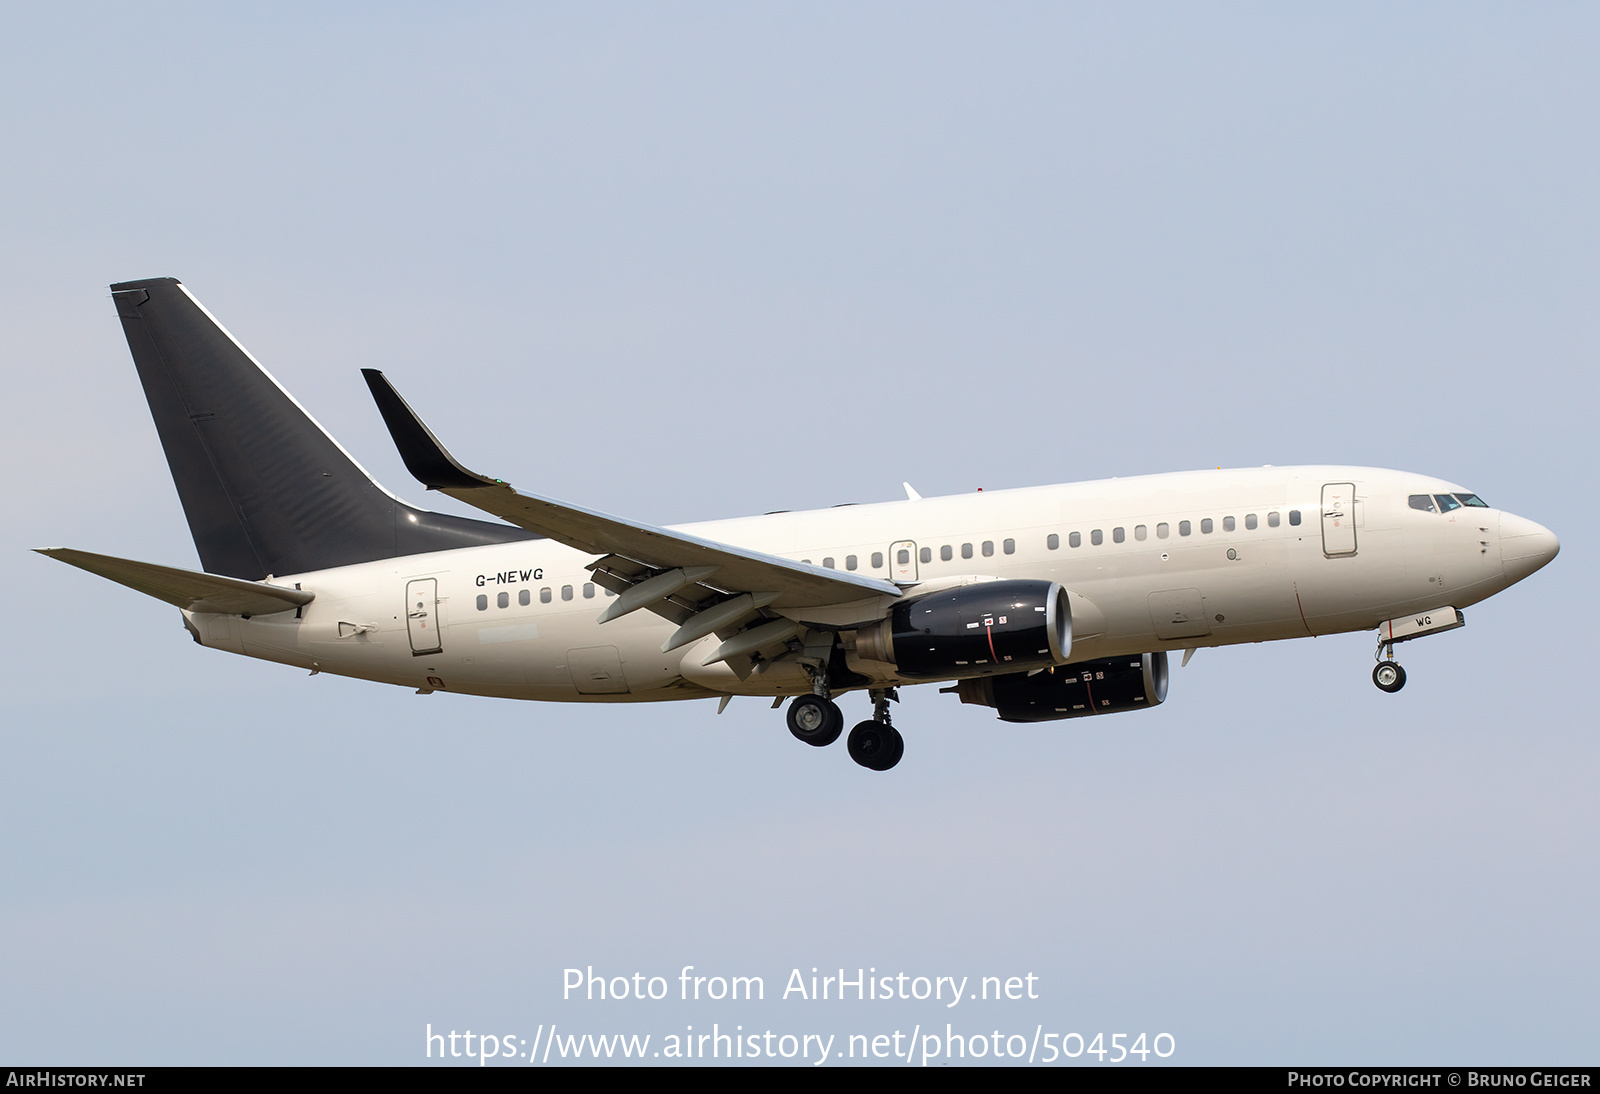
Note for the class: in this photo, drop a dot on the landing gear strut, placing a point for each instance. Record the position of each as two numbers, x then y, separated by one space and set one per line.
875 744
1388 674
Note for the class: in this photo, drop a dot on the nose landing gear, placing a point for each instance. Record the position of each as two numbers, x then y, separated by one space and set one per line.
1388 674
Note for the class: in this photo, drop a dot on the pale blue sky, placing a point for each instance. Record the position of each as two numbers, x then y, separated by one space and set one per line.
692 261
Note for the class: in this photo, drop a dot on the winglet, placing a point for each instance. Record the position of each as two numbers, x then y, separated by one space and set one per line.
424 456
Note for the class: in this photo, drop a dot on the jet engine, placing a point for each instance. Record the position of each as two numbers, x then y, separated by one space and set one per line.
1071 691
975 630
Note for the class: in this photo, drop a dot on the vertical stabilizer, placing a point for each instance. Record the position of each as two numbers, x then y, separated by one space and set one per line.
265 489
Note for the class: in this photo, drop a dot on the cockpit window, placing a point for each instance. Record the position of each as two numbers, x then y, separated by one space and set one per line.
1444 503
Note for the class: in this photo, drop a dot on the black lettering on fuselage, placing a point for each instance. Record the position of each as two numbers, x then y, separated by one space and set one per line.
510 577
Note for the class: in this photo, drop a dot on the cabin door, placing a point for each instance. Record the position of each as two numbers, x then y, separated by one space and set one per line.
1339 519
903 562
422 616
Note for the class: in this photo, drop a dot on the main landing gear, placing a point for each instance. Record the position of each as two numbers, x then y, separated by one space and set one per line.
816 720
874 744
1388 674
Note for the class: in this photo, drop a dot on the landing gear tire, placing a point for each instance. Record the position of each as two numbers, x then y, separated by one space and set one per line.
1389 676
815 720
875 746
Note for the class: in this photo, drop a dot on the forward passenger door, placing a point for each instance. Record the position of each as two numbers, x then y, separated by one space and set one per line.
1338 519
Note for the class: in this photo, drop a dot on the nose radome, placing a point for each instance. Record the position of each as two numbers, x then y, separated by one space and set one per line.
1524 546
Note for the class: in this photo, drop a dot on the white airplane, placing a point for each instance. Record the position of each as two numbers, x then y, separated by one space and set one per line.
1042 603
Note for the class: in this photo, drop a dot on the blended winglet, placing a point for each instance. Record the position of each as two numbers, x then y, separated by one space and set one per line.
425 457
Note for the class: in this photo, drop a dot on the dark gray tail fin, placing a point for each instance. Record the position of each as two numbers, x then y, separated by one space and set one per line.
265 489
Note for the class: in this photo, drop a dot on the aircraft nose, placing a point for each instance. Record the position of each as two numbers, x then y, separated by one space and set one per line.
1524 546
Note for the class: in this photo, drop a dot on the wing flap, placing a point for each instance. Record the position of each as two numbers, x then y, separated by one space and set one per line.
186 589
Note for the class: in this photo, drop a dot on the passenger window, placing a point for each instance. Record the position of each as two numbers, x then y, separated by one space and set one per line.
946 553
1206 526
827 563
1422 503
1009 546
610 593
524 597
903 557
1118 535
544 595
503 600
1227 524
483 602
566 592
1250 522
849 562
1183 528
926 554
988 548
1472 500
966 550
1446 502
1140 532
1272 520
588 590
877 560
1097 537
1075 540
1294 516
1162 530
1052 541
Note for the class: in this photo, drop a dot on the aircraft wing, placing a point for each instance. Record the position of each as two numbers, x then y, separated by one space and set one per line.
186 589
694 580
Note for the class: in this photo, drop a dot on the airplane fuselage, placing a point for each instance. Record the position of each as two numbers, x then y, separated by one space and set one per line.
1160 562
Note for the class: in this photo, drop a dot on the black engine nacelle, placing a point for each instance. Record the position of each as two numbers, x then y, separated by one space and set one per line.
975 630
1071 691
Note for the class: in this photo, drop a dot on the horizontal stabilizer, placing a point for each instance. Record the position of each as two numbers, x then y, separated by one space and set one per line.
186 589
